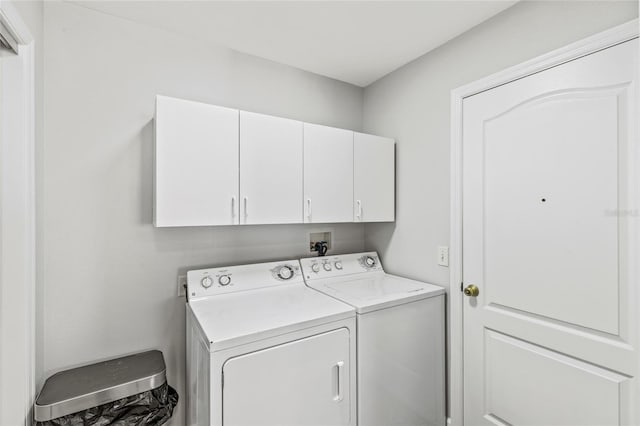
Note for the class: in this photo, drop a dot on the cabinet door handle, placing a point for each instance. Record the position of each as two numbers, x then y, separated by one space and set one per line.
233 207
359 214
246 211
309 208
339 379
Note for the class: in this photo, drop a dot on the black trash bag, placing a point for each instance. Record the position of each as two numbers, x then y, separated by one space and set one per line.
152 407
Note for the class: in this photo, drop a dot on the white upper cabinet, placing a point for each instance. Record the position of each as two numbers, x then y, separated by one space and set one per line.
373 178
221 166
328 174
270 169
196 164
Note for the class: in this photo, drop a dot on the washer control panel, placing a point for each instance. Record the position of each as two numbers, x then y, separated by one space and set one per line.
337 266
216 281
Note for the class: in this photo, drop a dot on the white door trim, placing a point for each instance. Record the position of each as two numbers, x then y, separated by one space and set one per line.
575 50
17 223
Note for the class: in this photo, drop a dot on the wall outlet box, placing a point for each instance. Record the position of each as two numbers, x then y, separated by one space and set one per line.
315 237
182 285
443 256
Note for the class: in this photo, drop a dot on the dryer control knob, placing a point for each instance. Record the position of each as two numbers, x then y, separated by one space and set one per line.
206 282
370 261
326 266
315 268
338 265
285 272
224 280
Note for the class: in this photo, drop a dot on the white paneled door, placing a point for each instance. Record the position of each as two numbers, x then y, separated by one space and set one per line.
550 241
270 169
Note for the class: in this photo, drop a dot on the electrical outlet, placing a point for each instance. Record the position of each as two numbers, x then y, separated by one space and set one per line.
315 237
443 256
182 285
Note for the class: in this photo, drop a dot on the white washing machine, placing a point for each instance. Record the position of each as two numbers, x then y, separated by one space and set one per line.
401 338
264 349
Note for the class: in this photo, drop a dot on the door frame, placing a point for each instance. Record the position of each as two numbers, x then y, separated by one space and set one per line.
602 40
17 223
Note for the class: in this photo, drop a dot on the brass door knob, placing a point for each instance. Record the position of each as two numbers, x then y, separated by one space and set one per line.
471 290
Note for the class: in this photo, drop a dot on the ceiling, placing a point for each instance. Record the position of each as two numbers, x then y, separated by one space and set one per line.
354 41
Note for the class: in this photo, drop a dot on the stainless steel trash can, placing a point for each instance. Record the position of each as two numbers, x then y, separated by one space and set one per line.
108 391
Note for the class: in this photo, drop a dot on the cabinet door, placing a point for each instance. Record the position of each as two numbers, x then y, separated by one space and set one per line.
301 383
196 164
373 178
328 174
270 169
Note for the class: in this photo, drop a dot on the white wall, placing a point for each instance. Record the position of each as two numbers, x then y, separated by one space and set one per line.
412 105
109 275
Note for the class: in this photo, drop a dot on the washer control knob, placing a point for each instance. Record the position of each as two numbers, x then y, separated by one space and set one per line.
224 280
369 261
206 282
285 272
338 265
326 266
315 268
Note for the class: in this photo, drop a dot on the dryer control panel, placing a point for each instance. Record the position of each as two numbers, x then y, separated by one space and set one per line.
229 279
341 265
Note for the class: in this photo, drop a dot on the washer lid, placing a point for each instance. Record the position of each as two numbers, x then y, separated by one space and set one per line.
238 318
372 292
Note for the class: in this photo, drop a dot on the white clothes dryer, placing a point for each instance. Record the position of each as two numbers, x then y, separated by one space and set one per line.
401 338
264 349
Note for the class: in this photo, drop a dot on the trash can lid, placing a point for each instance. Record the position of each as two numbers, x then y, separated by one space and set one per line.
80 388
